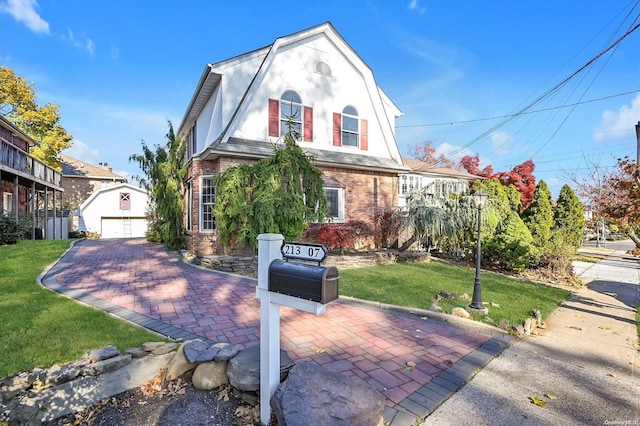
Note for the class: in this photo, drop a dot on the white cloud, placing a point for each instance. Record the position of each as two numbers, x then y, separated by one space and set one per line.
114 52
82 151
500 142
453 152
618 124
415 5
83 42
24 11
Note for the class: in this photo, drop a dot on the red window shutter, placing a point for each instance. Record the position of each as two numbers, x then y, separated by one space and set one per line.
364 135
308 124
274 117
337 129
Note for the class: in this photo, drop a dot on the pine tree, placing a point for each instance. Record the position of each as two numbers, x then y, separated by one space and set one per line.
568 217
539 216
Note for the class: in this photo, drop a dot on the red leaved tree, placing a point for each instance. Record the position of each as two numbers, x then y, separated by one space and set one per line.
616 195
521 176
427 154
472 165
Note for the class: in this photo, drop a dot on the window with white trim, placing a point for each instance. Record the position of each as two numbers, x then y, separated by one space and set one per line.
335 204
403 184
7 202
290 113
350 127
207 202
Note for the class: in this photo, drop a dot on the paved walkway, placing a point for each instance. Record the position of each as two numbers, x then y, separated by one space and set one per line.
585 366
147 285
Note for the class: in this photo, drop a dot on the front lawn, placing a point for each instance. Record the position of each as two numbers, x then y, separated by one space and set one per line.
414 285
39 328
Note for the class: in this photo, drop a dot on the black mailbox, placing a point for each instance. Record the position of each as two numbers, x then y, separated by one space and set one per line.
310 282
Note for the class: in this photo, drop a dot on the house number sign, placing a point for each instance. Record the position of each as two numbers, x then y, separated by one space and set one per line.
304 251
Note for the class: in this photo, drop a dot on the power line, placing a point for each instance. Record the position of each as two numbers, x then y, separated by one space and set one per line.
451 123
546 95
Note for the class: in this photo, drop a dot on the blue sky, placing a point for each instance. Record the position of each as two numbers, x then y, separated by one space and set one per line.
120 69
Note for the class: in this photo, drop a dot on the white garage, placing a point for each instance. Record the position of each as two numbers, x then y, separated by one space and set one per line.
115 211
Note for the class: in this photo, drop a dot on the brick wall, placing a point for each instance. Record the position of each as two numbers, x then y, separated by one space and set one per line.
365 193
76 191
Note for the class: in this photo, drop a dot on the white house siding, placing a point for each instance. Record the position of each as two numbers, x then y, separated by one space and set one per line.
123 227
101 213
293 69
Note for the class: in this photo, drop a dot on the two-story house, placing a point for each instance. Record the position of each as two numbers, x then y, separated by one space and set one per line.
240 108
28 187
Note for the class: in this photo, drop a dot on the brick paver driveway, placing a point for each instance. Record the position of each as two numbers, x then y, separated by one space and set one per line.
146 284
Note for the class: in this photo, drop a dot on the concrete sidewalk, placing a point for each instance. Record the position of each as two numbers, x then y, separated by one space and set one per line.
585 366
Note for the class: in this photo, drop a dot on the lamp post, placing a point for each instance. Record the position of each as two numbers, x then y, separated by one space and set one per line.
480 199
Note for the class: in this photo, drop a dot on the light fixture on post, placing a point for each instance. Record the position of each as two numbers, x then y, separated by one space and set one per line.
480 198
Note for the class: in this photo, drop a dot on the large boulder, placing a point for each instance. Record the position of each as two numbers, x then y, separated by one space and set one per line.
210 375
244 368
312 395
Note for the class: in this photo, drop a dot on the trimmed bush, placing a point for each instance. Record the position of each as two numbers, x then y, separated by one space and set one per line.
338 235
513 247
12 230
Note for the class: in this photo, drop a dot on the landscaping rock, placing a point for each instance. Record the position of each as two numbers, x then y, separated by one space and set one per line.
59 374
151 346
244 368
136 352
528 326
107 365
165 348
102 353
312 395
210 375
198 351
460 312
83 392
227 351
179 363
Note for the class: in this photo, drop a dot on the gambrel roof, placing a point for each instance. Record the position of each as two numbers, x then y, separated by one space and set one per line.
212 80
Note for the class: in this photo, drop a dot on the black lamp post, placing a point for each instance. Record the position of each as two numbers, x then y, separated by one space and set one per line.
480 199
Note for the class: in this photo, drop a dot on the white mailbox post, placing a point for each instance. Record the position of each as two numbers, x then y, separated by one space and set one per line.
269 249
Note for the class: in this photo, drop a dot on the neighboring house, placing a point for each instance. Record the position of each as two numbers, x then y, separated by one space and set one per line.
81 179
239 112
115 211
28 187
438 181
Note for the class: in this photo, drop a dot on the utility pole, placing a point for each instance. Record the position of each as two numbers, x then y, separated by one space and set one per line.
638 153
638 144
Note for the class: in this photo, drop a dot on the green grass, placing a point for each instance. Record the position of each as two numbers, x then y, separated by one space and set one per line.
413 285
39 328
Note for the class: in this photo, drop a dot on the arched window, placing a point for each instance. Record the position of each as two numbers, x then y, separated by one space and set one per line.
290 113
287 114
350 127
322 68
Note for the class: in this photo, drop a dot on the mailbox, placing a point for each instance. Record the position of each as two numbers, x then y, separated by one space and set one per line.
310 282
